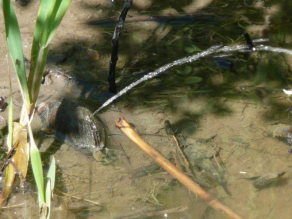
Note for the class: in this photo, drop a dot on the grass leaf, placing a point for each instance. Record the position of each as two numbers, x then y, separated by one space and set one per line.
10 115
14 45
37 169
48 197
49 18
52 174
61 7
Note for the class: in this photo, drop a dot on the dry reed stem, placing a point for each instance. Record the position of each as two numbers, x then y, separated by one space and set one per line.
124 126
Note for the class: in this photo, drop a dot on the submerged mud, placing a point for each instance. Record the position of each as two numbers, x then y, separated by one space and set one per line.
200 99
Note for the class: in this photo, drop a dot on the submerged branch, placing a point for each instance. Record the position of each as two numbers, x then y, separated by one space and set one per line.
115 42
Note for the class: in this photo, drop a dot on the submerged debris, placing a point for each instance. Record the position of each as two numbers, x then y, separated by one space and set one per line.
266 180
3 104
144 171
249 42
71 123
282 131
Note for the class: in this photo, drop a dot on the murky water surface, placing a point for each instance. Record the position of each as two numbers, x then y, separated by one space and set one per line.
228 111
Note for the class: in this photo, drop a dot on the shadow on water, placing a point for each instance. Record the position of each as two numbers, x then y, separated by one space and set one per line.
23 3
235 71
66 123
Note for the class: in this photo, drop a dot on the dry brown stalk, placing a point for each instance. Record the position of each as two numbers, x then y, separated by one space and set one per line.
124 126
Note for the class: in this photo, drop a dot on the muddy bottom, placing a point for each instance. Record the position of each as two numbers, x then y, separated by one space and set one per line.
225 134
233 150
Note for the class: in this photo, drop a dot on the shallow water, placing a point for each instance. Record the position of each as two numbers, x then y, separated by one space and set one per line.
225 106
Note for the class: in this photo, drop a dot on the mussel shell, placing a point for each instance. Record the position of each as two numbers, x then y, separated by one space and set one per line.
72 124
93 54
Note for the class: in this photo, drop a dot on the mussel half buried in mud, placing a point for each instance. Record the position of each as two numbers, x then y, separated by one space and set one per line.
72 124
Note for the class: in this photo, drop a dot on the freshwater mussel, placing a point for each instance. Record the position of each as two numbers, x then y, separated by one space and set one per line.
72 124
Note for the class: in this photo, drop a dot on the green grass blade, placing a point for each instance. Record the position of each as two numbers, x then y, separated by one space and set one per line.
48 196
37 167
10 122
49 17
10 115
37 52
60 9
52 175
48 23
37 171
35 77
14 45
42 15
50 185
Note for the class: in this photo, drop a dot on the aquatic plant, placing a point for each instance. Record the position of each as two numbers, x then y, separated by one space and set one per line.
20 141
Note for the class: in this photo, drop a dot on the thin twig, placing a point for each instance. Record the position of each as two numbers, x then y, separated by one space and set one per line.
128 158
186 163
176 161
76 197
14 206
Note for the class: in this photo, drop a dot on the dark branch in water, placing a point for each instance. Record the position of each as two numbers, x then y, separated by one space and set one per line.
249 41
115 41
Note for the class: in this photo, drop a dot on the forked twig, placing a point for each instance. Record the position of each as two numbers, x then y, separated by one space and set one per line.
124 126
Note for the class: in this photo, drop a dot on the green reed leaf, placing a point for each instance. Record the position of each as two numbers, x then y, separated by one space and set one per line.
48 196
52 174
13 38
49 18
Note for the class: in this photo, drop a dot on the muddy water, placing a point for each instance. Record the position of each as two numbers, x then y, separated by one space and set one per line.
221 109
